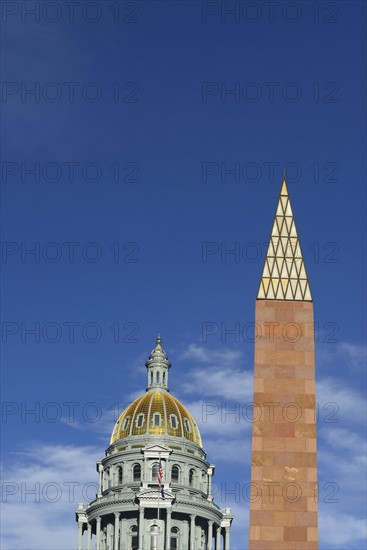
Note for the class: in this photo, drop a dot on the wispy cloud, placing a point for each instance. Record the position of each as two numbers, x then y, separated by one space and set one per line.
203 354
221 376
349 404
218 390
223 382
222 385
101 428
357 353
218 418
43 486
347 355
342 438
341 530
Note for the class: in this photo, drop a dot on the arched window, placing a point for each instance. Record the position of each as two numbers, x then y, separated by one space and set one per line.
134 538
164 378
173 420
155 471
204 479
191 477
108 478
137 472
151 377
126 423
187 425
175 474
140 420
157 377
105 480
119 475
174 538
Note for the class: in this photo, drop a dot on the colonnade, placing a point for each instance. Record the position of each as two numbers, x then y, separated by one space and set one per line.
115 531
108 477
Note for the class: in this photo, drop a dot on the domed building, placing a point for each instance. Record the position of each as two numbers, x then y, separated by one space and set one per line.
155 484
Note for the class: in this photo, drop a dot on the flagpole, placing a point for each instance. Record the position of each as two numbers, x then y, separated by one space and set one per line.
159 529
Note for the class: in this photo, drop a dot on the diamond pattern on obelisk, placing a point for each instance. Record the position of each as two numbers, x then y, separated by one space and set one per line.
284 275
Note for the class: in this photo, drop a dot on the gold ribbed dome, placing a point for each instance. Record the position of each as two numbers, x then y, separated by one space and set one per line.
156 413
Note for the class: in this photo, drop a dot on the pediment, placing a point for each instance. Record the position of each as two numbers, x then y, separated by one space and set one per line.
156 448
152 495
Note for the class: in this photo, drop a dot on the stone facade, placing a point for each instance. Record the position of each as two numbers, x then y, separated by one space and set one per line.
129 512
283 507
283 510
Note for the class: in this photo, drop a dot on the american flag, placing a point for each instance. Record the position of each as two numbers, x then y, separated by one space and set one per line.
160 478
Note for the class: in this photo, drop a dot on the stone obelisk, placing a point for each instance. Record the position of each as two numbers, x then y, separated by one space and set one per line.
283 507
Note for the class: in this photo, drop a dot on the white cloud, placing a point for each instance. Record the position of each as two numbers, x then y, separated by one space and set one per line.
48 482
101 428
229 384
341 531
350 406
223 378
207 355
344 354
219 390
215 417
342 461
357 353
342 438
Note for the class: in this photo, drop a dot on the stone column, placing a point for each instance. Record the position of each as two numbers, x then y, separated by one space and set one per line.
116 541
145 469
210 475
210 535
103 543
123 534
226 540
89 541
141 528
80 535
109 535
98 533
100 471
218 537
168 530
167 473
192 532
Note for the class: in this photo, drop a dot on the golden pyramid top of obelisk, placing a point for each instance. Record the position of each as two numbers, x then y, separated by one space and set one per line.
284 275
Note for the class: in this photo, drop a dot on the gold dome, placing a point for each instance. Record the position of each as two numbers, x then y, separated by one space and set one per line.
156 413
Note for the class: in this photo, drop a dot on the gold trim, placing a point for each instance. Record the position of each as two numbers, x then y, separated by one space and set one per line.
284 274
157 402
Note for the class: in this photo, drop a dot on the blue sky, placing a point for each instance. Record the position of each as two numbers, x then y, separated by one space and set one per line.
158 136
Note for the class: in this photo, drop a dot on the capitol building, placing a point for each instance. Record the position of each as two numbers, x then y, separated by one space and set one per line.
154 481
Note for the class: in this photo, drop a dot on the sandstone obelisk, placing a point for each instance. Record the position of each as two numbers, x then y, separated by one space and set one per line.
283 507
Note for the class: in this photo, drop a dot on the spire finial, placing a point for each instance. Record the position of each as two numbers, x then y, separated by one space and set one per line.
158 366
284 275
284 190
